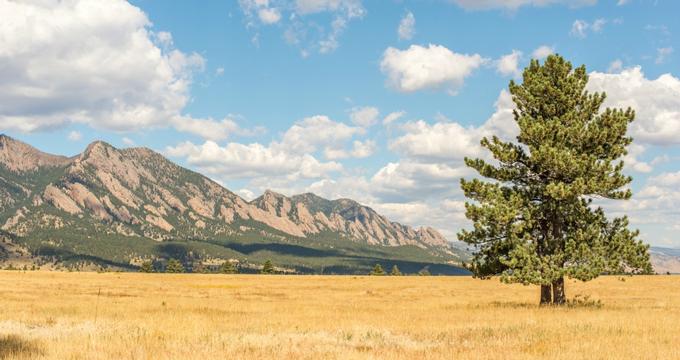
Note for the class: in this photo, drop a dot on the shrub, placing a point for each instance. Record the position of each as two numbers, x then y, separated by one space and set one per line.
377 270
395 271
147 267
228 268
267 268
174 267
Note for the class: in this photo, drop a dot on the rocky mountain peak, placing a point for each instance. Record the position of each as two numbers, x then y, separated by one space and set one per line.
138 192
21 157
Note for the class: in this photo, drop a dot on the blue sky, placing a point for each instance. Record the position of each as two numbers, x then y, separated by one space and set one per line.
330 96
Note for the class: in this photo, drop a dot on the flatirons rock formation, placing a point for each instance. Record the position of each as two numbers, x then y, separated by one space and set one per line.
137 193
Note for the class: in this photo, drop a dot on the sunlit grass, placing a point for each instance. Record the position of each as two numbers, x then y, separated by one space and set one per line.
156 316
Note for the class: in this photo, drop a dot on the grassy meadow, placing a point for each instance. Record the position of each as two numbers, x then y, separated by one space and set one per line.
58 315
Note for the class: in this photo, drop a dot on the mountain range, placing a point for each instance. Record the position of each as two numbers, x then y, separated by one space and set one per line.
116 208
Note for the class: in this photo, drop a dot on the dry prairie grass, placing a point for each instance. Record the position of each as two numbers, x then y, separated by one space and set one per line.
145 316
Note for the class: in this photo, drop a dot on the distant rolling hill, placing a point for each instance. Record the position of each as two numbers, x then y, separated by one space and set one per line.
665 260
117 208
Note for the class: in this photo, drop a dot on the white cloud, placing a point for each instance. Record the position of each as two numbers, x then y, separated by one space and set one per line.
515 4
543 52
247 194
75 136
662 54
432 67
508 65
127 141
407 27
622 2
269 15
219 71
407 180
392 117
656 102
70 62
450 142
314 133
439 142
211 129
364 116
631 160
363 149
235 161
300 21
579 28
598 25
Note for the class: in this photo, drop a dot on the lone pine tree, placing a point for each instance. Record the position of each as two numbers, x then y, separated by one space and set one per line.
535 222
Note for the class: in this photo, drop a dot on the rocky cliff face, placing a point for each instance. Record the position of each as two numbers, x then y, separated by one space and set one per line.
313 214
20 157
138 193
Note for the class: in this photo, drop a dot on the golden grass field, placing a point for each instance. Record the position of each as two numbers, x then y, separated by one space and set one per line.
57 315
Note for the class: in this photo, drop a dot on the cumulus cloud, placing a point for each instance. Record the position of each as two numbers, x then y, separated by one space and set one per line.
363 149
431 67
211 129
438 142
450 142
543 52
238 161
516 4
654 206
657 103
314 133
292 157
70 62
508 65
364 116
632 161
407 27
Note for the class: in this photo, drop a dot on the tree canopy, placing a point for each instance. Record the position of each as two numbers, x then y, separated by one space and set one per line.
535 221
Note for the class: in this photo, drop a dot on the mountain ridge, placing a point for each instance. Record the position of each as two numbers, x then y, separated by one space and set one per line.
138 193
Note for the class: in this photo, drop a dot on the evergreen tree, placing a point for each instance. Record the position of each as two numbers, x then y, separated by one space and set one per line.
267 268
395 271
377 270
228 268
424 272
147 267
174 267
535 222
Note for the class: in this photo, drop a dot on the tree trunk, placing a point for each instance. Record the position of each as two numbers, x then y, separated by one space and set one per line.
546 296
559 297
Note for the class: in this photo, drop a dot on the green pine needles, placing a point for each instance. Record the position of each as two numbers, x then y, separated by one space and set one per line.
535 221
